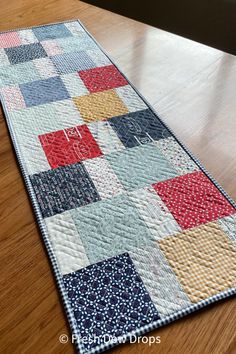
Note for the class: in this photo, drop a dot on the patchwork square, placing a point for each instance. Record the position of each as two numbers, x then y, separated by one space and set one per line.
160 280
63 189
103 78
228 225
45 68
76 43
3 58
68 146
203 259
109 227
9 39
74 84
51 47
176 155
130 98
103 177
25 52
71 62
44 91
75 28
13 97
18 74
154 213
27 36
100 106
106 137
51 31
139 127
140 166
99 58
109 299
69 251
193 199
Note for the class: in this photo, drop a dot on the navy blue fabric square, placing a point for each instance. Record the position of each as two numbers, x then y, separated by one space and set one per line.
44 91
51 32
24 53
139 127
71 62
109 299
63 188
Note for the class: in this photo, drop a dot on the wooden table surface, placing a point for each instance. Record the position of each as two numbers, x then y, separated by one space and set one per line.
193 89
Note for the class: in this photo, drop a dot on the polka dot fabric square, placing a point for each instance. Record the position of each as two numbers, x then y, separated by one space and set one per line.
138 233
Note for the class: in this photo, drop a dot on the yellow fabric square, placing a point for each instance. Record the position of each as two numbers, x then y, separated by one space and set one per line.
100 106
204 260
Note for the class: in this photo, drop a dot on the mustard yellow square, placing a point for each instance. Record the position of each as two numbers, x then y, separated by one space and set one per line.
204 260
100 106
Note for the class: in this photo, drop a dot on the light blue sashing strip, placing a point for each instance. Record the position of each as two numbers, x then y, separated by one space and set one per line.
52 257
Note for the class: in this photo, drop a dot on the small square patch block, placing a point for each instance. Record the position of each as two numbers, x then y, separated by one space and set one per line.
68 146
63 188
51 32
203 259
193 199
72 62
139 127
109 299
25 53
102 78
44 91
13 97
9 39
100 106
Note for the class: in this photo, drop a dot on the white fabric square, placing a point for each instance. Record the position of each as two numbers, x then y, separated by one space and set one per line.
154 212
106 137
103 177
74 85
45 68
27 36
75 28
130 98
3 58
98 57
66 242
176 155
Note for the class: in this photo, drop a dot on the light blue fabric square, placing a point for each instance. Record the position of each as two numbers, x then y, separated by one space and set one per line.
44 91
110 227
140 166
71 62
51 32
18 74
75 44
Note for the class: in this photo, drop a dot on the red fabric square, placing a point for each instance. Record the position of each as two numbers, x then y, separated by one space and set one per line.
102 78
193 199
68 146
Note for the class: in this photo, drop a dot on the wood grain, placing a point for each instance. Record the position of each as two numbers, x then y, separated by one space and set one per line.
193 88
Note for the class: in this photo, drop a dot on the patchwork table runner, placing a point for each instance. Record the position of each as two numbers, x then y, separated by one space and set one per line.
137 231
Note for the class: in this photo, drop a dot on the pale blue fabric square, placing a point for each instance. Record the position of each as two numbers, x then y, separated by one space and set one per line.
73 44
110 227
72 62
44 91
140 166
51 32
18 74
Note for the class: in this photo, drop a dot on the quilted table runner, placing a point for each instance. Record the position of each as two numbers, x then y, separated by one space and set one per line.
137 231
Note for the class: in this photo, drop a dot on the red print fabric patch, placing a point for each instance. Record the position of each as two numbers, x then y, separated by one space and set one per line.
68 146
102 78
193 199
